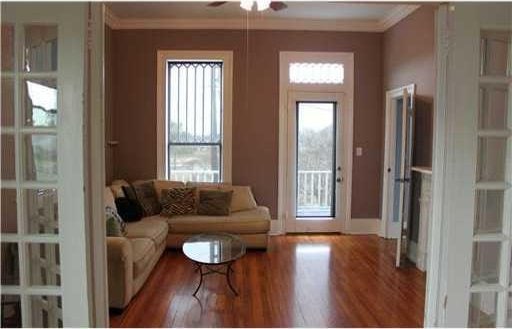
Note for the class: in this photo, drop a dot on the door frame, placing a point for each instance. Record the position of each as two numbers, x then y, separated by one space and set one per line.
315 225
391 229
454 165
285 87
80 159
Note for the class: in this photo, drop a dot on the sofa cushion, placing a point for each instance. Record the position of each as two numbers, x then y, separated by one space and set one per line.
143 250
242 222
117 187
109 198
242 199
152 228
165 185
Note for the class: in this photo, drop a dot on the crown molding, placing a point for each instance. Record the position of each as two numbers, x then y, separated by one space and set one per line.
396 15
399 13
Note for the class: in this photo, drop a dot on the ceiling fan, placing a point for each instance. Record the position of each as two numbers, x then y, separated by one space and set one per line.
248 4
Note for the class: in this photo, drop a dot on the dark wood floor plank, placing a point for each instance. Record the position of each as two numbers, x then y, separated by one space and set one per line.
301 281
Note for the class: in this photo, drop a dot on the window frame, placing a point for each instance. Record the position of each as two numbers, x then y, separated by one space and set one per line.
163 143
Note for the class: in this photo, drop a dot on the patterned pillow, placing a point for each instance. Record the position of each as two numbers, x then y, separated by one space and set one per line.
146 195
214 203
178 201
115 224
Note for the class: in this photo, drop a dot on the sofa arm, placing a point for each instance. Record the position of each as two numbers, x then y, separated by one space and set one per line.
120 271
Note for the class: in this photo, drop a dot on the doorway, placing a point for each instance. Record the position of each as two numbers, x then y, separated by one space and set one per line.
315 157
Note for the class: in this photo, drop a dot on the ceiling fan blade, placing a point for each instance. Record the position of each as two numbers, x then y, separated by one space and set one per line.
216 3
278 5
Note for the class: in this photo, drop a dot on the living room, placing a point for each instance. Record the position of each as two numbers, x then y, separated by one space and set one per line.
256 164
183 59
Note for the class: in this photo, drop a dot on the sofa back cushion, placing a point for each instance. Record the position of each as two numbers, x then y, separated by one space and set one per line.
109 198
242 199
214 203
117 188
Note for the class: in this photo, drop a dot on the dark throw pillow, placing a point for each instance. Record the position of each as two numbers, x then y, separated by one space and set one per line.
114 223
146 195
129 210
178 201
214 203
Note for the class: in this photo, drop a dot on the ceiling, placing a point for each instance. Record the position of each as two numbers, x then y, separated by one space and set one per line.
300 15
317 10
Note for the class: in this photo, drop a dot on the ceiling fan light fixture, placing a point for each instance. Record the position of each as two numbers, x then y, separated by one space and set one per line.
263 4
246 4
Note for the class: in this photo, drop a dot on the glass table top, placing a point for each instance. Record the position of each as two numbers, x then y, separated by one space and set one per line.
214 248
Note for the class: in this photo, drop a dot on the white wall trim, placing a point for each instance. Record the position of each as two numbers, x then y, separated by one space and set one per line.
227 109
364 226
276 227
396 15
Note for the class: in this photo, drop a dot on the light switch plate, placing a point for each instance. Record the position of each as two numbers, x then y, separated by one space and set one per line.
359 151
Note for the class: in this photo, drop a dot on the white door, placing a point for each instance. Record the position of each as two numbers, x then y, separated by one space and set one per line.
397 162
315 158
45 281
469 280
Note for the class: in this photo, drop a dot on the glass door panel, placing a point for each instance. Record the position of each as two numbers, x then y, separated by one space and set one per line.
316 160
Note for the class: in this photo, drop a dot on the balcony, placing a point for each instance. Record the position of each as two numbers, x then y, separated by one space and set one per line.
314 192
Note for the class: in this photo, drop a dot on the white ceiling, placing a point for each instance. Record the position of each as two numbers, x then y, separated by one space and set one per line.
317 10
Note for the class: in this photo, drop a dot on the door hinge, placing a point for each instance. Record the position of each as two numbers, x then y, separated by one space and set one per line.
445 302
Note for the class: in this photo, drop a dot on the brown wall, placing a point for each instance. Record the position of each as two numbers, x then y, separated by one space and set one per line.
255 112
409 58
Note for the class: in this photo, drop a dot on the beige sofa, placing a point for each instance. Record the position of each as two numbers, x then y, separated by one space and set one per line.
131 258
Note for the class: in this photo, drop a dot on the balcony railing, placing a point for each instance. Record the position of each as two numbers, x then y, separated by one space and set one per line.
314 192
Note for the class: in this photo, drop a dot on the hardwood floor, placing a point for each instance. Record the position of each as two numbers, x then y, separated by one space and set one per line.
301 281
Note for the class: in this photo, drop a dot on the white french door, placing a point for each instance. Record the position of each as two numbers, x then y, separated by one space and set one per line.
315 162
45 281
469 280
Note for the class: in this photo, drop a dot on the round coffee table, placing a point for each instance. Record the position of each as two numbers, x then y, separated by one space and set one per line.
214 253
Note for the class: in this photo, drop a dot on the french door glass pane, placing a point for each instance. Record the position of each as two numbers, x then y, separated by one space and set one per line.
486 262
9 210
315 159
8 160
40 48
40 102
493 106
7 116
482 310
491 161
11 311
41 209
495 52
46 311
7 49
40 157
44 264
10 264
199 163
489 212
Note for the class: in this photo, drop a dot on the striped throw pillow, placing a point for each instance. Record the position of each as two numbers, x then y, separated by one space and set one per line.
178 201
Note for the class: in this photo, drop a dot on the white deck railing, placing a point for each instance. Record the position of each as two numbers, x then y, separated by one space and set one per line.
314 186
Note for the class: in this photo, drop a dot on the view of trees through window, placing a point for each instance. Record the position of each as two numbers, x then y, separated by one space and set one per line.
194 112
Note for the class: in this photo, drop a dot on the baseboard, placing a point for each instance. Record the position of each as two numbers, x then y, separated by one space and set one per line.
276 227
364 226
412 251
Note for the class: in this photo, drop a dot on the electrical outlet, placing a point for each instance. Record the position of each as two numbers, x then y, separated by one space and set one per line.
359 151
